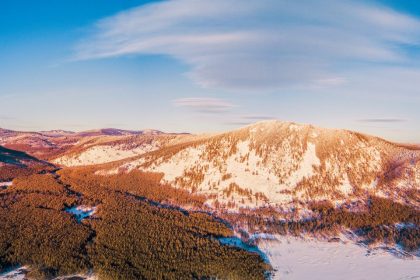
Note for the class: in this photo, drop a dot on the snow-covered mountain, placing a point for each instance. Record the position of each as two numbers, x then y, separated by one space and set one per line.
283 164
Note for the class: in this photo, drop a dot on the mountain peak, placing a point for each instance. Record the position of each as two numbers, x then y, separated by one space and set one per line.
271 124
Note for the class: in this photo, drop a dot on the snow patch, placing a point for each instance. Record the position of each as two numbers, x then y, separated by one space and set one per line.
180 162
5 185
16 273
81 212
306 167
89 276
19 273
346 188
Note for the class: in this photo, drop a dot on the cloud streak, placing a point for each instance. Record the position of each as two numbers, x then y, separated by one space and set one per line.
242 120
259 45
383 120
204 104
258 117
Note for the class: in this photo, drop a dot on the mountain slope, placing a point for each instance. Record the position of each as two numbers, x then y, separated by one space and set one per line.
285 164
103 149
15 163
38 144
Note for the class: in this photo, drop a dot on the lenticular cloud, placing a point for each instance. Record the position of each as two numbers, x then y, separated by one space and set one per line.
257 45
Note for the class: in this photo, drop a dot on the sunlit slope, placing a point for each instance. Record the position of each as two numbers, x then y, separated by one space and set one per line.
283 164
103 149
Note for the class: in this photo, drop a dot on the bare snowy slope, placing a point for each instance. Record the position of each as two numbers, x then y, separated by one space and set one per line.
103 149
282 164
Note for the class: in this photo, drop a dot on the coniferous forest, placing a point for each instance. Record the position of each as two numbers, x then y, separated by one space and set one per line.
129 237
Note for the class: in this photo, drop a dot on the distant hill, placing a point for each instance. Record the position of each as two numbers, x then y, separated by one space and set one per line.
118 132
49 144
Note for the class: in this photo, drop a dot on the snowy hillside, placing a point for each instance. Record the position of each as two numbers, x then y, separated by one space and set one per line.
103 149
279 164
103 154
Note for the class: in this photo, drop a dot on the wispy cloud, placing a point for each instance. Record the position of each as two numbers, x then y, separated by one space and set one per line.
383 120
237 123
259 45
204 104
257 117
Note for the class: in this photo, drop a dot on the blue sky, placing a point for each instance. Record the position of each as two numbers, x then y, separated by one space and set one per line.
205 66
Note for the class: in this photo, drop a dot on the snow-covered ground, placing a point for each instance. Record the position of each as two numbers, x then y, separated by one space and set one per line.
103 154
245 168
5 184
89 276
81 212
296 258
19 273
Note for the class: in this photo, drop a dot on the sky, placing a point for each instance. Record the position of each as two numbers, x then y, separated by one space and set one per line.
207 66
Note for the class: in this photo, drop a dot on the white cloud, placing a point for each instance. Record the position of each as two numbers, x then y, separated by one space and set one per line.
260 45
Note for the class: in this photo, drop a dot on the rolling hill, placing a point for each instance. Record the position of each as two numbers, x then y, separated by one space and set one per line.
49 144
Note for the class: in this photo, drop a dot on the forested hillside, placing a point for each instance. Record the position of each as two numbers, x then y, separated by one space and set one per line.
129 237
